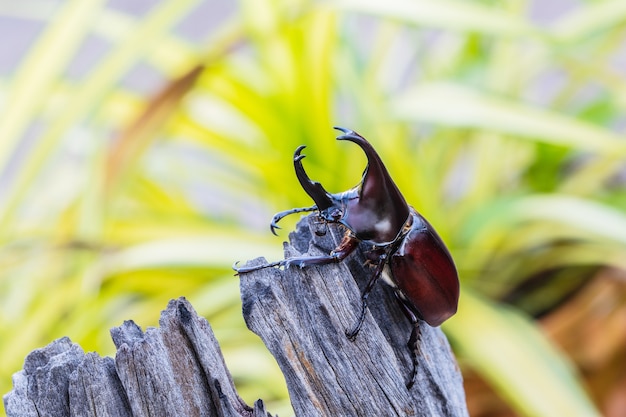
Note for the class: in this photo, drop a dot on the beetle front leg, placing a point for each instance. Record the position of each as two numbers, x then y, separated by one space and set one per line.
346 246
278 216
246 269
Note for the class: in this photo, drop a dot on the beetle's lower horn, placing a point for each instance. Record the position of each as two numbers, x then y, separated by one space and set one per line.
313 188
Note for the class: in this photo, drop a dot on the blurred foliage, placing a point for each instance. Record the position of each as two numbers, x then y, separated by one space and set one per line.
500 120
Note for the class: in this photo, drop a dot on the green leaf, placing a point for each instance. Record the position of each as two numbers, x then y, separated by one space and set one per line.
40 70
588 20
592 218
85 101
451 104
448 14
190 252
517 360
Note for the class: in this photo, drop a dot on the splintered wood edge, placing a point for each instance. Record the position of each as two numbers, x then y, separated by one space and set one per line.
177 369
302 315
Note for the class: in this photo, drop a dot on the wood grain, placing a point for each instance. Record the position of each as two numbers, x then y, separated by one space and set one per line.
300 314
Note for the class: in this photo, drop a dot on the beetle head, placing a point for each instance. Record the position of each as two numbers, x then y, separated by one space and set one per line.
374 210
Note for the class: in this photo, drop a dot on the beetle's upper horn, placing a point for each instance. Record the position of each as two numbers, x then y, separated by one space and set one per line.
313 188
377 187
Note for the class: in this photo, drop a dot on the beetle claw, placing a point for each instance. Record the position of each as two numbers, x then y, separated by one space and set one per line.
278 216
235 268
351 334
273 227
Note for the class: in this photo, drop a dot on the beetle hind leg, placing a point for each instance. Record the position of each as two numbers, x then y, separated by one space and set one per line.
414 346
416 334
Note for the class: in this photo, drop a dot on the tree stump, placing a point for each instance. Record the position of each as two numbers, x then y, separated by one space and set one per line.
175 370
300 314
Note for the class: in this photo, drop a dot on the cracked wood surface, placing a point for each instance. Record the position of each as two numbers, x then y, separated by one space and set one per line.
300 314
174 370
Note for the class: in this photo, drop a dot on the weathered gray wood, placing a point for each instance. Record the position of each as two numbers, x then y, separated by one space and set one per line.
41 387
96 390
175 370
302 315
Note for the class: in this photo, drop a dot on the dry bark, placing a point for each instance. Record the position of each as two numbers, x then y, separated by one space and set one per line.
300 314
175 370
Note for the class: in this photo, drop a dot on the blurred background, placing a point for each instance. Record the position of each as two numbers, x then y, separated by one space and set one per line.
145 145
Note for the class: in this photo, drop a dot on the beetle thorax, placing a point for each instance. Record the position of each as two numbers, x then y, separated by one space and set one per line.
383 227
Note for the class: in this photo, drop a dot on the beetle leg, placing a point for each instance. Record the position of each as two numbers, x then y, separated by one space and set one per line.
351 334
278 216
416 334
246 269
346 246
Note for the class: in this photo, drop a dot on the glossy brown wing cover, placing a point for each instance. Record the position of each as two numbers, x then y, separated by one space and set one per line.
425 273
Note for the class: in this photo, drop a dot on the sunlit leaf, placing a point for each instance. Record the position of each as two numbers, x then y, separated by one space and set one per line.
44 64
454 105
86 101
449 14
207 252
205 164
594 219
517 360
588 20
137 137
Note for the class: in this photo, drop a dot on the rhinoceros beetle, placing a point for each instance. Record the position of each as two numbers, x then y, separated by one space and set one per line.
404 248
